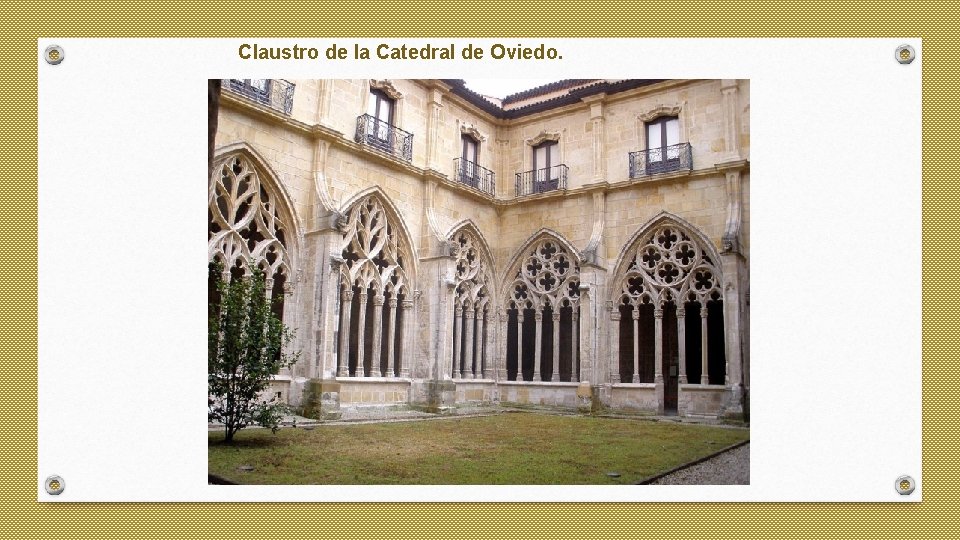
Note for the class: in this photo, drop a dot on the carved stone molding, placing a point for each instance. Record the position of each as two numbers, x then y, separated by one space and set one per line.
387 87
543 137
660 110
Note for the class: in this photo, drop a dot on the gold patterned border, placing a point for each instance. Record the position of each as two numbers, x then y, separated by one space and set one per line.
23 517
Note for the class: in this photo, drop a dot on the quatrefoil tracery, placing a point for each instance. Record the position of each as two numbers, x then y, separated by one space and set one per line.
472 276
548 276
669 264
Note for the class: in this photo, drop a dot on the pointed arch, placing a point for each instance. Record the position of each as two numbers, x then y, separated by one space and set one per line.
251 215
377 282
664 294
474 301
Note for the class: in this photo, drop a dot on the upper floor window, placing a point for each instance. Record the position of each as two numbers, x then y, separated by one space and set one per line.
381 107
471 149
546 166
663 140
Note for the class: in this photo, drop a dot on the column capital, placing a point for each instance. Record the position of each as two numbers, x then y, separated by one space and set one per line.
347 294
575 314
363 294
481 315
615 316
407 304
658 313
520 317
392 302
703 313
378 299
538 316
458 310
469 312
681 312
555 316
635 313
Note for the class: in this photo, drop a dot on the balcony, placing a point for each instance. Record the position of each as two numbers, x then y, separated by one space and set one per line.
542 180
660 160
475 176
274 93
384 137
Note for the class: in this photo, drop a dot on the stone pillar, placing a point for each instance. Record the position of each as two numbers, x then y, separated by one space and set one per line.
375 353
734 327
636 344
555 374
478 354
615 344
433 127
468 321
731 119
407 351
658 345
704 372
538 317
682 342
575 346
361 332
519 344
346 304
391 334
457 315
500 364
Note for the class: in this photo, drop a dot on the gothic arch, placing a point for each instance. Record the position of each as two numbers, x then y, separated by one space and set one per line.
377 278
541 302
474 301
399 225
251 216
666 309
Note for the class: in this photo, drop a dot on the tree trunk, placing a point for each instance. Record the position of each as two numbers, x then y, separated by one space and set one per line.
213 109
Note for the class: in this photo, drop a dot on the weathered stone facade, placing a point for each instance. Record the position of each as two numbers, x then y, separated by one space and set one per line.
421 267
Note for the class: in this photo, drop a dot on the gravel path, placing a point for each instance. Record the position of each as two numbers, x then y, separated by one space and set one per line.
728 468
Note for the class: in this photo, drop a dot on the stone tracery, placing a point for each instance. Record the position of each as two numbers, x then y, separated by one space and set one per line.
245 224
547 282
472 306
373 279
667 269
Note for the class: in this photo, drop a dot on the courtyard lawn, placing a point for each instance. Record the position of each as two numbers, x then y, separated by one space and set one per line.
514 448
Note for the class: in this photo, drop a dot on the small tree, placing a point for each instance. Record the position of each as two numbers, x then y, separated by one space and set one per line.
247 345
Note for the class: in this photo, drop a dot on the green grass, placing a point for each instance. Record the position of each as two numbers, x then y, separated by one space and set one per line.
517 448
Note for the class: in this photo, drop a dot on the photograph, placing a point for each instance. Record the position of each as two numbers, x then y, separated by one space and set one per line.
478 282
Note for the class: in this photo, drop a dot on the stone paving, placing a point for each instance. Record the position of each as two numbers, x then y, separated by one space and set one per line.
729 468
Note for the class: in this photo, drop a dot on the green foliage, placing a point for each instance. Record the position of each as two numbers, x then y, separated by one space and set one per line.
247 345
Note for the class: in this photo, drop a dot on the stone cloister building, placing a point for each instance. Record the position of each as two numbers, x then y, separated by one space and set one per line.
580 245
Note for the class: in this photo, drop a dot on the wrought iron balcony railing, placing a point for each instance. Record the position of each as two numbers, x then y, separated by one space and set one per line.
660 160
274 93
542 180
384 137
475 176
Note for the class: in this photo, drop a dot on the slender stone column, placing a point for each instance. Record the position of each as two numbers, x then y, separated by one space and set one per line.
555 375
682 342
615 344
346 304
538 348
375 355
575 346
704 366
391 334
457 314
520 344
658 345
478 353
469 322
268 289
501 339
361 330
636 344
406 351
